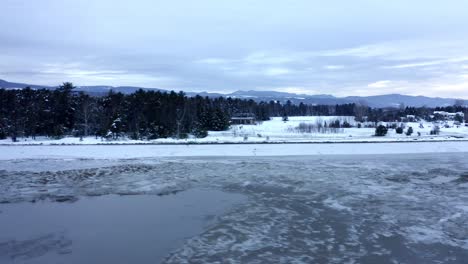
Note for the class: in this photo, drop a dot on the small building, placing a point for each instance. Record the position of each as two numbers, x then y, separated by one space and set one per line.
244 119
408 118
448 115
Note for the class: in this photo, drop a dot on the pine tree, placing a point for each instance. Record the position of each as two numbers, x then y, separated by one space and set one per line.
381 131
409 131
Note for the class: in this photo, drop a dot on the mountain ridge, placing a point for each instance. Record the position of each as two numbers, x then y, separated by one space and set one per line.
385 100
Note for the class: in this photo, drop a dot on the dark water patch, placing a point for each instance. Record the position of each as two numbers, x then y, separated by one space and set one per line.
398 178
108 229
463 178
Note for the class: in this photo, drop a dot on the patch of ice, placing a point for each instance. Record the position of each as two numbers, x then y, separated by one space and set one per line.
441 179
427 235
332 203
445 219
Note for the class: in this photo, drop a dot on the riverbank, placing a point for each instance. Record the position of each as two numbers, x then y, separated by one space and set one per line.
8 152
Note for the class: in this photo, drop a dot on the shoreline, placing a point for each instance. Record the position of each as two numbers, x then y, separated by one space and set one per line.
123 143
121 151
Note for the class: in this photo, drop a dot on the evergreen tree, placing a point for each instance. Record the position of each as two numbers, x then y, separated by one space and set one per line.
409 131
459 118
381 131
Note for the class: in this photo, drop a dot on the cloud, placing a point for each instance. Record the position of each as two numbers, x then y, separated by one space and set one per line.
408 67
81 74
365 51
426 63
276 71
379 84
215 61
413 65
404 50
237 45
270 58
449 89
296 90
334 67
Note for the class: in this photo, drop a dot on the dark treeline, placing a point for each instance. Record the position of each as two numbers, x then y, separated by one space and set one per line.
153 114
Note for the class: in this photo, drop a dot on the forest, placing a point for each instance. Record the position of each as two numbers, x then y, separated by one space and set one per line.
148 114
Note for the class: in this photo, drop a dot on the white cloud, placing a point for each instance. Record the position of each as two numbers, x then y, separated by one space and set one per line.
275 71
83 74
413 65
426 63
334 67
413 49
380 84
271 58
365 51
212 61
295 89
451 89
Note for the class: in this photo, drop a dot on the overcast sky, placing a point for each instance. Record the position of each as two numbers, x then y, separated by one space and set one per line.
339 47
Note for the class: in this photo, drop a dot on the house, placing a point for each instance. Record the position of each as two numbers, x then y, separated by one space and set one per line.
243 119
448 116
408 118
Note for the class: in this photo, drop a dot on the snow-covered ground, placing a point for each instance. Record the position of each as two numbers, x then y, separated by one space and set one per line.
223 150
278 131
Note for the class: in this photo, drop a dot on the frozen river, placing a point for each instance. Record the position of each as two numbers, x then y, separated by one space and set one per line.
406 208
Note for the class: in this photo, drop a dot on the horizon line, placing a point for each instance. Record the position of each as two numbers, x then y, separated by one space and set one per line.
226 93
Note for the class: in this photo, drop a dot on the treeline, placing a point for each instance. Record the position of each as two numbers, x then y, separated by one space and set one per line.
148 114
425 113
141 115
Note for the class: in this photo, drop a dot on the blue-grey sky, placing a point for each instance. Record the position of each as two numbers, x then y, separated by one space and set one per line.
339 47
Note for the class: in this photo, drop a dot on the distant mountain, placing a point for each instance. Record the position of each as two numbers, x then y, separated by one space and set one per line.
11 85
273 94
388 100
94 90
407 100
102 90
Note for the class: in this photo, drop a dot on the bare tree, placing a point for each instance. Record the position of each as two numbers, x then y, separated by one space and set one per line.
360 110
87 106
180 114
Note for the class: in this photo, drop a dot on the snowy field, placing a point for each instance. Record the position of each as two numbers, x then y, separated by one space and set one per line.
408 208
278 131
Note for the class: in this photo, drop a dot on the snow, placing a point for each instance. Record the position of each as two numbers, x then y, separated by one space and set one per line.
9 152
253 139
278 131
